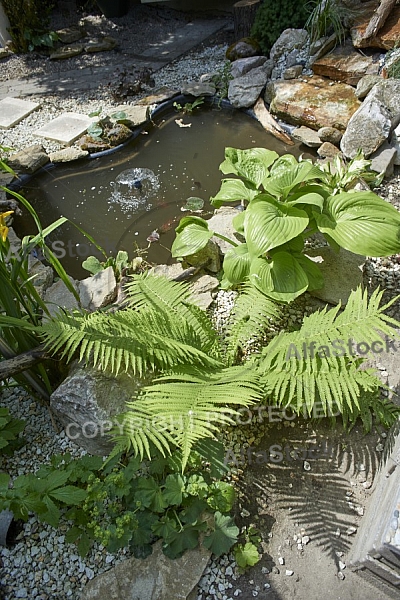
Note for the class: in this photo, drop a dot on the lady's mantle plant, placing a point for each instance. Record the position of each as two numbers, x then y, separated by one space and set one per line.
286 202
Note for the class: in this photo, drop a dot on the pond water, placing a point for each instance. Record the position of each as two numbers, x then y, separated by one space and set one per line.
120 205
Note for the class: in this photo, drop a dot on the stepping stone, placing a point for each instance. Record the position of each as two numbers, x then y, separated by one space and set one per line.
13 110
66 128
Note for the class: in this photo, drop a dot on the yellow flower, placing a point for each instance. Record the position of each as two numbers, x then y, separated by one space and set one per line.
3 226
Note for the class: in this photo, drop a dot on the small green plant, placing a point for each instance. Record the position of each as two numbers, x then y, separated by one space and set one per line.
119 263
28 23
246 553
286 202
37 40
10 429
273 18
221 80
328 17
189 107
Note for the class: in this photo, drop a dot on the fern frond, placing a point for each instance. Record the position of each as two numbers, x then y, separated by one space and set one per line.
173 298
319 362
384 411
187 406
250 317
128 340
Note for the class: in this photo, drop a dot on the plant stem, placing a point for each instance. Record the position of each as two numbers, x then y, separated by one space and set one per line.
222 237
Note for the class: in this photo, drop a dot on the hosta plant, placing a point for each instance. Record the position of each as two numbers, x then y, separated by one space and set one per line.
286 201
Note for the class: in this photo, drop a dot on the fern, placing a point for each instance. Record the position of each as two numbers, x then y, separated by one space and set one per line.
384 411
251 315
186 406
296 375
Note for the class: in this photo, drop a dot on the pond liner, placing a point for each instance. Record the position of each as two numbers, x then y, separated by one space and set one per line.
160 109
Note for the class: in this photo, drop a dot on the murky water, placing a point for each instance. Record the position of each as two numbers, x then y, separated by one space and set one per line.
120 199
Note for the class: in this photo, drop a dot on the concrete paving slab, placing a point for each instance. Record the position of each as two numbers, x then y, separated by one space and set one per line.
13 110
66 128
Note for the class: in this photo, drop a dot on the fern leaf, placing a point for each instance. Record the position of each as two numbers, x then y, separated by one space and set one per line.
251 315
189 405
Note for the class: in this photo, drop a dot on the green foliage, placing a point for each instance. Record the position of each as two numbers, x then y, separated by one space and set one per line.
10 429
327 17
392 63
189 107
119 263
320 362
246 555
29 20
273 18
221 80
117 506
287 201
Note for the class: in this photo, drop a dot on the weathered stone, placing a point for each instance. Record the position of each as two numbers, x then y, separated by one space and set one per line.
162 94
387 37
153 578
67 155
322 46
244 91
197 88
90 144
342 273
328 150
13 110
99 290
243 65
169 271
29 160
118 134
383 159
221 222
346 65
5 53
395 142
312 101
203 290
68 35
58 296
87 400
365 85
243 48
306 136
270 124
330 134
288 41
208 256
135 115
374 121
293 72
66 52
42 276
100 44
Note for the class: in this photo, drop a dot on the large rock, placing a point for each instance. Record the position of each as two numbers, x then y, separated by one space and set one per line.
308 137
243 65
374 121
29 160
203 290
85 403
384 159
342 272
198 88
67 155
154 578
312 101
289 40
58 296
346 65
244 91
365 85
387 37
221 222
99 290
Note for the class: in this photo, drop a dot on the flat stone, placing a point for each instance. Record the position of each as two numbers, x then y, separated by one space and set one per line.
135 114
241 66
387 37
99 290
203 291
198 88
365 85
13 110
384 159
58 296
153 578
66 52
330 134
308 137
293 72
100 45
322 46
29 160
342 272
169 271
161 95
67 155
346 65
312 101
328 150
66 128
68 35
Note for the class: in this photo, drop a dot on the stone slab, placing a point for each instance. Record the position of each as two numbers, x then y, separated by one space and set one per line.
13 110
66 128
346 65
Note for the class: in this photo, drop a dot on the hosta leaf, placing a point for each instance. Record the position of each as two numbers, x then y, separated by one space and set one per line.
233 190
252 163
238 222
247 555
361 222
191 238
237 264
311 198
192 220
269 224
313 272
281 278
225 534
281 184
174 486
284 162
